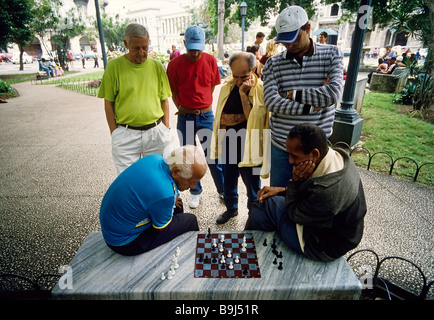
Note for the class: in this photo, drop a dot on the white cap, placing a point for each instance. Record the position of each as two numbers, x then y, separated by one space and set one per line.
289 22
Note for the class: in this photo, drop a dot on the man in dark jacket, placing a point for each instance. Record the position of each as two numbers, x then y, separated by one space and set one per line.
320 213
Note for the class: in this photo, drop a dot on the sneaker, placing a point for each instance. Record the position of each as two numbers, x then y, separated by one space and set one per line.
225 216
194 200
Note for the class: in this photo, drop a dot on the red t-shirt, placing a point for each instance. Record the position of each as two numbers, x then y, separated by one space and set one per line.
192 81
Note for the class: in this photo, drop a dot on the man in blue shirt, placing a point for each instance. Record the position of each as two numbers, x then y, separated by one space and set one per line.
137 211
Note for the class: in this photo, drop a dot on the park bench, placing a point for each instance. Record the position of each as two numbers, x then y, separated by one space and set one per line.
96 272
389 83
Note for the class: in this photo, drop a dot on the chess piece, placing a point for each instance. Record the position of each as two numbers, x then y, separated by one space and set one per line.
275 261
231 265
265 242
163 277
214 259
245 271
229 255
280 267
237 260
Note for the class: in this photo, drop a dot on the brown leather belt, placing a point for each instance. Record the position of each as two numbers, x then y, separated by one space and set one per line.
184 110
146 127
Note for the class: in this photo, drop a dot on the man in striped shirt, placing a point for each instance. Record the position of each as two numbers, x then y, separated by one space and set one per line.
302 84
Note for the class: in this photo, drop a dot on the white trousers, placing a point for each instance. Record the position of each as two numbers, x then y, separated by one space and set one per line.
129 145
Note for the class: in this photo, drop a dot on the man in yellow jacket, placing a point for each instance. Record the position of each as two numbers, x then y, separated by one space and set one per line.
240 132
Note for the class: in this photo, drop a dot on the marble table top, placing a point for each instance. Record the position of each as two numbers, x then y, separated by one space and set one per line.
96 272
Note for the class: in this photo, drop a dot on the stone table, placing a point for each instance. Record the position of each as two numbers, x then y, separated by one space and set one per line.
96 272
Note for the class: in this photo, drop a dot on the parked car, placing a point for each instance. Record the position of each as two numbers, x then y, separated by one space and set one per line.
26 58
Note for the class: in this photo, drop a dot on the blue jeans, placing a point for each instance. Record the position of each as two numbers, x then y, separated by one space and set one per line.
231 173
281 169
190 125
272 215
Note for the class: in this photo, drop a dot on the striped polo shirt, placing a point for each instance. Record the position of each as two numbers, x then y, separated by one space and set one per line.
282 73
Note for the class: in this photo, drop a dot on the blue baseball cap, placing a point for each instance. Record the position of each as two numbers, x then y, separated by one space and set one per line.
194 38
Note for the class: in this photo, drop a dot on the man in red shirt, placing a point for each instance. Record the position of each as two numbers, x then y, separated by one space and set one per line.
193 77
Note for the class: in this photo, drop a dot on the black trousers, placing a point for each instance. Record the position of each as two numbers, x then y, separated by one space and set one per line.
152 238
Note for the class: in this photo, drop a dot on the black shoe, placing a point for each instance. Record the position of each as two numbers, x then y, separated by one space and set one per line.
225 216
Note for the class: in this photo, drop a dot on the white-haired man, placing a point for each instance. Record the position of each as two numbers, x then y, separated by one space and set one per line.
135 89
142 210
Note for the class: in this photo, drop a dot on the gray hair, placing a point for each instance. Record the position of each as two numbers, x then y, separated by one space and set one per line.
184 158
135 30
248 56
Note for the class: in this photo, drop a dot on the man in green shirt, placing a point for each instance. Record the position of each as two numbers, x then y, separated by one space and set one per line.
135 89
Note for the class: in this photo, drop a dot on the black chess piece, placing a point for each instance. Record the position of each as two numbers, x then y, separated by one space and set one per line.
214 259
274 246
206 259
245 271
201 257
280 255
265 242
223 266
275 261
280 267
209 233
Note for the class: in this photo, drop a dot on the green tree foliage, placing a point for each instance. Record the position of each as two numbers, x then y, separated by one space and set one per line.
16 18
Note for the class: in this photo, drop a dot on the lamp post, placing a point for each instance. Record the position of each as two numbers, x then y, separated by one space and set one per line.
243 11
348 123
101 34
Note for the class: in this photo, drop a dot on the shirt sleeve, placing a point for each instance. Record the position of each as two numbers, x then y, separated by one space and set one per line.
172 76
273 100
161 212
107 88
329 94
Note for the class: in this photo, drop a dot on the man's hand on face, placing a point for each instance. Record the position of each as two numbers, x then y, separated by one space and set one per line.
303 170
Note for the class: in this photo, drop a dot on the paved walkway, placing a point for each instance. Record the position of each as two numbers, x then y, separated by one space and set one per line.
55 166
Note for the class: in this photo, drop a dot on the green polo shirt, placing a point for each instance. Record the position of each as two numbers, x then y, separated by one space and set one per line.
136 89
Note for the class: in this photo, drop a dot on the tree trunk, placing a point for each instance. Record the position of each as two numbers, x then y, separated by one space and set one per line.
21 58
221 24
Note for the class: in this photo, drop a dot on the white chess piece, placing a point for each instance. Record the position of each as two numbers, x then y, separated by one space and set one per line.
236 259
163 277
229 255
243 247
223 259
221 248
177 251
222 238
231 265
175 263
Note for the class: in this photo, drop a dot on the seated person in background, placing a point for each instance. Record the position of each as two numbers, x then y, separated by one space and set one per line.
43 67
138 210
400 61
320 213
391 65
381 65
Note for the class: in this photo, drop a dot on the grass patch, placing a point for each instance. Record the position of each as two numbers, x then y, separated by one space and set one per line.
80 78
400 135
23 77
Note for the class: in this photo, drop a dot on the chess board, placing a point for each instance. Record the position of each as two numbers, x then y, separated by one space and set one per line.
205 267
